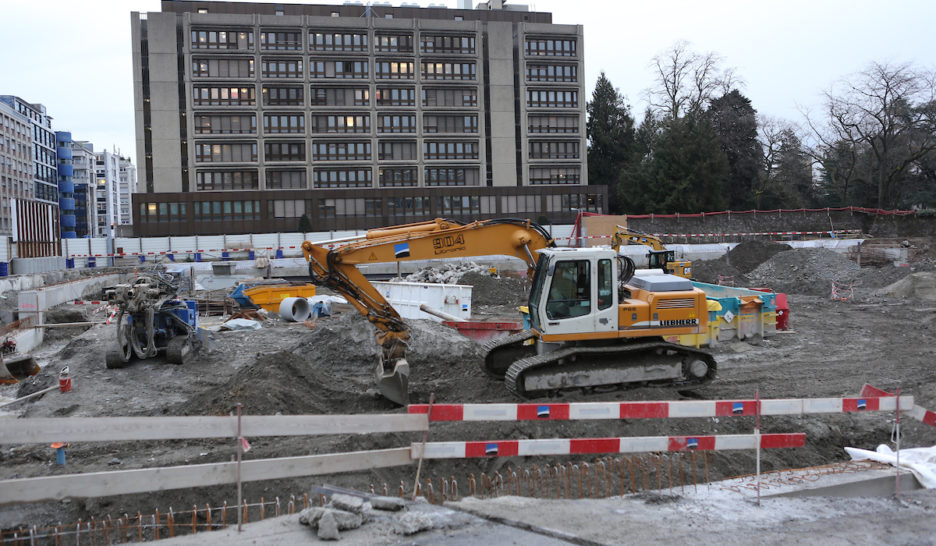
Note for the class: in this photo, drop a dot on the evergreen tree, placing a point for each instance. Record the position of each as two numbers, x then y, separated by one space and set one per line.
735 123
305 225
610 131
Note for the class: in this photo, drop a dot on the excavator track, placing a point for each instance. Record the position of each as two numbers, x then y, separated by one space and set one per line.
500 353
602 368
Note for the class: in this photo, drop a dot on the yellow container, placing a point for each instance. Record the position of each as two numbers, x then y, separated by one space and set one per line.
269 296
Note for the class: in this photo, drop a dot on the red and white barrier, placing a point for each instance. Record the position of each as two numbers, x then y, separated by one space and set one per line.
747 234
582 446
656 410
919 413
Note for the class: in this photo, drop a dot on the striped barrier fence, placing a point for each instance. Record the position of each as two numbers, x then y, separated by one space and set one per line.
738 234
658 410
583 446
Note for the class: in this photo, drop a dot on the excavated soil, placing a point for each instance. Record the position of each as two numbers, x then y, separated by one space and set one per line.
746 256
834 348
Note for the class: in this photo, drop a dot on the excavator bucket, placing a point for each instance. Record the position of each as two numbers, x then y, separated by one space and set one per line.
394 384
12 369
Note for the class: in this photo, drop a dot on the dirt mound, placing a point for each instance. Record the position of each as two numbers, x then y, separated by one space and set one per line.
746 256
880 276
708 271
805 271
920 286
505 291
280 382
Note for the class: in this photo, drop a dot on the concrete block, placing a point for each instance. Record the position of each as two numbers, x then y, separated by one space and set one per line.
411 523
347 503
311 515
328 527
391 504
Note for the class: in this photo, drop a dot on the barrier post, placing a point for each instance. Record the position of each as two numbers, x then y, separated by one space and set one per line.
425 438
757 438
897 490
240 453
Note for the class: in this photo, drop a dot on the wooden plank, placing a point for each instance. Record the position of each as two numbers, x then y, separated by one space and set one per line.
105 429
102 484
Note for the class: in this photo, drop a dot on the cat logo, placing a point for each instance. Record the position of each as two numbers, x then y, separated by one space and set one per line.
372 257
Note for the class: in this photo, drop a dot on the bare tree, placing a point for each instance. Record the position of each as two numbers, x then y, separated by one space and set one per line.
687 81
885 110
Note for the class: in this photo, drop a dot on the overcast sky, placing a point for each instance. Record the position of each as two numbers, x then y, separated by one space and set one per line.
74 57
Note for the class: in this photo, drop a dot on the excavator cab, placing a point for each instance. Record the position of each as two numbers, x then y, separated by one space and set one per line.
665 261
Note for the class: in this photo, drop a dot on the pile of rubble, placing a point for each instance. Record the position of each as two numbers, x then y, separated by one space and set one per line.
446 274
346 512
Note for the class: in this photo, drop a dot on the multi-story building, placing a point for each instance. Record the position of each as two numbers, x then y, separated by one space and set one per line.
106 193
249 116
16 165
85 182
127 186
66 183
28 182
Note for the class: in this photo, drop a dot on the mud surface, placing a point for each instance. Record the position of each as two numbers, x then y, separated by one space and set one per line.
834 348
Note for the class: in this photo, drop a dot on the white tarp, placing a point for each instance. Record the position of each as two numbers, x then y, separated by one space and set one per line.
919 460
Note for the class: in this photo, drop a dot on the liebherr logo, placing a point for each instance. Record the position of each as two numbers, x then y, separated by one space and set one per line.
680 322
449 243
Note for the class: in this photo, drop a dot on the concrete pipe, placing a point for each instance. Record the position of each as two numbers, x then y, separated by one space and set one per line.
295 309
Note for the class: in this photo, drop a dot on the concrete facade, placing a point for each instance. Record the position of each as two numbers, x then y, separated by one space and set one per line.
257 98
84 179
15 165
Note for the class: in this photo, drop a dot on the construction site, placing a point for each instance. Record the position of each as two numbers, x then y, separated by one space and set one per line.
822 341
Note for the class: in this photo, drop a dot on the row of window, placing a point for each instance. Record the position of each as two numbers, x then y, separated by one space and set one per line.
550 47
346 41
334 151
360 96
552 73
409 206
552 98
334 69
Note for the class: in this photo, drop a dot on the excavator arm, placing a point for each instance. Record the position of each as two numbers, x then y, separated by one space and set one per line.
626 236
436 239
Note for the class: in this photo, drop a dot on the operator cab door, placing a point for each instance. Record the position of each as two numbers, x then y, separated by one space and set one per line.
606 308
580 298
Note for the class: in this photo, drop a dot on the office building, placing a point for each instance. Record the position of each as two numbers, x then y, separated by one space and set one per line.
66 183
249 116
83 161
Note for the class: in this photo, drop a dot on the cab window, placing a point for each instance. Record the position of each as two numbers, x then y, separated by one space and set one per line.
570 290
605 294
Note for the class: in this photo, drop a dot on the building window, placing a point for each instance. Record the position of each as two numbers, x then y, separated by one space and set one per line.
396 123
224 124
331 208
553 124
396 150
396 96
284 151
408 206
281 68
512 204
287 208
226 180
222 68
567 202
282 96
454 123
281 41
338 69
339 96
393 43
392 177
555 175
223 96
451 176
341 151
550 47
554 149
222 39
227 152
338 41
286 180
552 73
227 211
340 123
349 177
467 205
393 70
448 71
442 149
552 98
283 124
435 96
432 43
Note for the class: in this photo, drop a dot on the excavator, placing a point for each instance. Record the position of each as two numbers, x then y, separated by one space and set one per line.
595 325
660 258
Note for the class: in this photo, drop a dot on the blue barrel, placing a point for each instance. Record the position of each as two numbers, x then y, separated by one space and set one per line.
4 269
225 256
92 261
142 259
69 263
171 257
279 253
251 255
198 256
